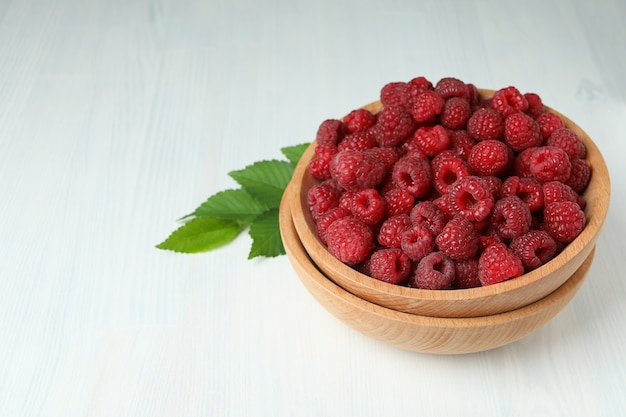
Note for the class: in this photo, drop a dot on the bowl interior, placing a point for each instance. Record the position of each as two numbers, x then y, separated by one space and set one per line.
511 294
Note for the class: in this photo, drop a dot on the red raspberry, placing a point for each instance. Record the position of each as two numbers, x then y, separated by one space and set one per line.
392 94
356 170
534 248
521 132
569 141
349 240
488 237
346 200
319 166
413 174
485 124
535 105
368 206
425 106
448 87
508 100
330 132
327 218
471 198
431 139
435 272
461 143
398 201
549 163
390 233
321 198
387 156
511 217
390 265
498 263
455 114
494 185
529 190
443 202
359 120
522 163
458 240
357 141
489 157
548 123
414 88
446 169
417 242
466 273
394 124
428 214
556 191
580 175
564 220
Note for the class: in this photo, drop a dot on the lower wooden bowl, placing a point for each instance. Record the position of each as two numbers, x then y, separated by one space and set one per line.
419 333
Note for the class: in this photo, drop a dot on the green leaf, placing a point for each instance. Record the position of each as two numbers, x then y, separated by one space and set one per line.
294 153
201 234
231 204
265 234
265 180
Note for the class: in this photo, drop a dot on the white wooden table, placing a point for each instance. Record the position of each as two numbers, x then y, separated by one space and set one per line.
118 117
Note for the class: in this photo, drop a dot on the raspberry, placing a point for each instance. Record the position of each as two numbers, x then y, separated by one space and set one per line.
398 201
319 167
569 141
387 156
346 200
461 143
428 214
498 263
455 114
327 218
390 233
417 242
321 198
359 120
448 87
446 169
330 132
580 175
489 157
368 206
413 174
390 265
485 124
425 106
564 220
471 198
535 105
431 139
414 88
549 163
349 240
392 94
522 163
458 239
466 273
511 217
443 202
534 248
435 272
548 123
556 191
393 125
529 190
521 132
494 185
357 141
508 100
356 170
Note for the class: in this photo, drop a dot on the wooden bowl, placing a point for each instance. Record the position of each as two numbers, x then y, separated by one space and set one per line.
482 301
422 333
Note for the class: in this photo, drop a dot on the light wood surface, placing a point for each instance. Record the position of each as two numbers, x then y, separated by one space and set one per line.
493 299
118 117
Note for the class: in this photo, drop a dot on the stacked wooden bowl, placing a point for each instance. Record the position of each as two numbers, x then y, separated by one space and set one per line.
442 321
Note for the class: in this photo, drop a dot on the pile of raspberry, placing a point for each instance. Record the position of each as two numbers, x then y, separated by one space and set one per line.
441 189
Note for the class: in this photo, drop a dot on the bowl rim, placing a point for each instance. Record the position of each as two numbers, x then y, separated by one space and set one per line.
597 197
